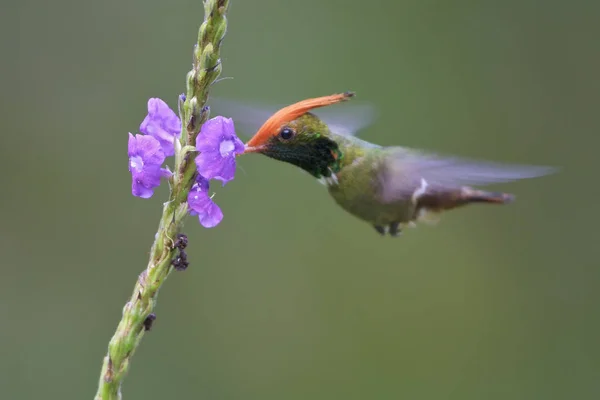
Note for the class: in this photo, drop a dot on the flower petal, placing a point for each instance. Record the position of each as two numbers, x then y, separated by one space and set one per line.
218 146
203 183
165 173
131 145
162 124
239 146
145 160
209 213
227 172
209 164
150 177
139 190
211 134
149 149
212 217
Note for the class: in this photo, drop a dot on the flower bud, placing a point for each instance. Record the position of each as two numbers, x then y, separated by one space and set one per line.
208 58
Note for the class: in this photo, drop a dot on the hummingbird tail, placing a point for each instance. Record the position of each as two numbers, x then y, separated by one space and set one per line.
430 204
437 201
480 196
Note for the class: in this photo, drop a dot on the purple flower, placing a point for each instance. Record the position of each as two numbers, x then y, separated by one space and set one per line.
208 212
218 146
145 159
162 124
216 143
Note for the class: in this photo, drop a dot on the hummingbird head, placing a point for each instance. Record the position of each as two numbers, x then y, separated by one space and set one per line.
296 136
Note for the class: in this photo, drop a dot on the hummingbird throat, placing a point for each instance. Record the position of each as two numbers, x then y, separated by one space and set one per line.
328 161
321 157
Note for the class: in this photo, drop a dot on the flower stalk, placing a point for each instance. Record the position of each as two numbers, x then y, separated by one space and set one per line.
138 311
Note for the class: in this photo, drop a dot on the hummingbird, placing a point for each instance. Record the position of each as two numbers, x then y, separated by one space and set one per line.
389 187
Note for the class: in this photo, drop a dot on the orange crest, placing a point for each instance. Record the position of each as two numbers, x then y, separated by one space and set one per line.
287 114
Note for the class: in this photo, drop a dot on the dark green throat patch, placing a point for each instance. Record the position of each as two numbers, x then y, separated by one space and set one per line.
318 155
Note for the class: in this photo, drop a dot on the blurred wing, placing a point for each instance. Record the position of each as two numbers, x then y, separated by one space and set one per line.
404 170
347 120
247 118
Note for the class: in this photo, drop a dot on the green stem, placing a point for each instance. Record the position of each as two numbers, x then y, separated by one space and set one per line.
131 328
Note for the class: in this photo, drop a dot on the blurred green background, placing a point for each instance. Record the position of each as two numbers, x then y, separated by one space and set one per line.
290 297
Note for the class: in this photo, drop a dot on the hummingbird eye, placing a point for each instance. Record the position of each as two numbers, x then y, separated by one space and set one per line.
286 133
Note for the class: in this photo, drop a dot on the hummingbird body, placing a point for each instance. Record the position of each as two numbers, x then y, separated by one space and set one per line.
388 187
358 186
355 187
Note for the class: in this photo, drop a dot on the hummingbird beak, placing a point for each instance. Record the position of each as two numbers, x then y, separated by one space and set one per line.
253 149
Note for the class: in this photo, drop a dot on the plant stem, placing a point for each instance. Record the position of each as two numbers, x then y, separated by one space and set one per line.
193 113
